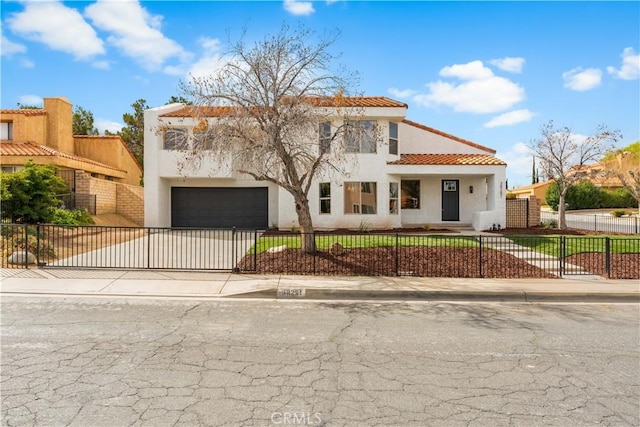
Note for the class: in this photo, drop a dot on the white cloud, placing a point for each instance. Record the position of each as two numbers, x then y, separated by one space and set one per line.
509 119
106 124
518 160
9 48
510 64
581 80
296 7
482 92
630 69
212 59
27 63
135 32
407 93
31 100
474 70
102 65
59 27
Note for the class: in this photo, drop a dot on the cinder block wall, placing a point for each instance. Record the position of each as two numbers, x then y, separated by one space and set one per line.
130 202
105 192
517 213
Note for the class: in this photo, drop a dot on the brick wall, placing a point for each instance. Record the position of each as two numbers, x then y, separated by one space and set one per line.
105 192
523 213
130 202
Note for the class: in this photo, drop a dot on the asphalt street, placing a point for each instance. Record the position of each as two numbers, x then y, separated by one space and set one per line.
119 362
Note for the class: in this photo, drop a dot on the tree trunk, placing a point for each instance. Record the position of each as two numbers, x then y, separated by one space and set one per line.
562 223
307 236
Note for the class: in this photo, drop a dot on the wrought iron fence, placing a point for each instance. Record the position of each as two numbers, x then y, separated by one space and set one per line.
382 254
596 222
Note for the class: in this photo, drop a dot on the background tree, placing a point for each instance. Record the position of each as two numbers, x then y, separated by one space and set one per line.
562 156
82 122
133 131
28 195
280 90
178 99
624 164
28 107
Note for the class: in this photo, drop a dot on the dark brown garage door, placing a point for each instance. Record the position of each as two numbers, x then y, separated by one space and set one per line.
219 207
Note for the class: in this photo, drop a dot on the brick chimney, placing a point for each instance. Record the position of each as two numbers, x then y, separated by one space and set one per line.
59 124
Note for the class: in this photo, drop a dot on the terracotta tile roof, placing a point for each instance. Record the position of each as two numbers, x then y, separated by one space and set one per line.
36 150
448 159
26 112
351 101
447 135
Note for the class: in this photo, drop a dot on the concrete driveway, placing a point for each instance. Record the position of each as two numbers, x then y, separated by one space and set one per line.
183 249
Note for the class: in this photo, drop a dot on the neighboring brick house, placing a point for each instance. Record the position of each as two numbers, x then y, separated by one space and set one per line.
416 176
45 136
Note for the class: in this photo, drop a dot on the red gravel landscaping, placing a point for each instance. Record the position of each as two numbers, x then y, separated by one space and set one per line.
423 261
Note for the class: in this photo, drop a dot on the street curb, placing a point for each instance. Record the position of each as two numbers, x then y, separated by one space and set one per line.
410 295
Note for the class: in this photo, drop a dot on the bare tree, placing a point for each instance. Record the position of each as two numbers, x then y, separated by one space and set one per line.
563 156
275 102
624 164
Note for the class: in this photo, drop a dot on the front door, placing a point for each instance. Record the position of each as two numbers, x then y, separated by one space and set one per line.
450 200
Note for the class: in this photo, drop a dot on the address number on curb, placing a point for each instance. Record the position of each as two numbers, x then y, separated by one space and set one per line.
291 293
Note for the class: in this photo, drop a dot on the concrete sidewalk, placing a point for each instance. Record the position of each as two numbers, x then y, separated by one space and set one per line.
205 285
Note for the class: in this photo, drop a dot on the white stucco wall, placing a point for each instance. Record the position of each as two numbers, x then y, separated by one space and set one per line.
414 140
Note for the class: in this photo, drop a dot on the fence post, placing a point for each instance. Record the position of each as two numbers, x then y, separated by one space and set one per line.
561 254
607 259
315 251
255 250
148 248
527 204
233 250
397 256
26 247
480 241
26 242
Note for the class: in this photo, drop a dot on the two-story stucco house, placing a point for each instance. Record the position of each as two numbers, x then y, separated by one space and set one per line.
410 175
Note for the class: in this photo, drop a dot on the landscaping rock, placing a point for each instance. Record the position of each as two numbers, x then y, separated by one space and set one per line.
336 249
20 257
276 249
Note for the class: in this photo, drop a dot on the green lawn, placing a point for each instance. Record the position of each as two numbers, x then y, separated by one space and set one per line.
324 242
550 244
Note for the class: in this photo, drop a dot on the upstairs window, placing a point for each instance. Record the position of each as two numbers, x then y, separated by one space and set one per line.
360 198
324 137
175 139
360 136
6 131
393 138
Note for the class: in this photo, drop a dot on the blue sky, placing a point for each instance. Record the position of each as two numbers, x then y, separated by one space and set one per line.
489 72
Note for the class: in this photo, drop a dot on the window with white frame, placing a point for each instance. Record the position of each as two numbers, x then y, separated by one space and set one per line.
410 194
175 139
393 138
6 131
393 198
325 197
324 137
360 136
360 198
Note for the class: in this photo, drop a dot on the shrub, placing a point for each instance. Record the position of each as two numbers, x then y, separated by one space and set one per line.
28 195
619 198
71 217
619 213
552 223
511 196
